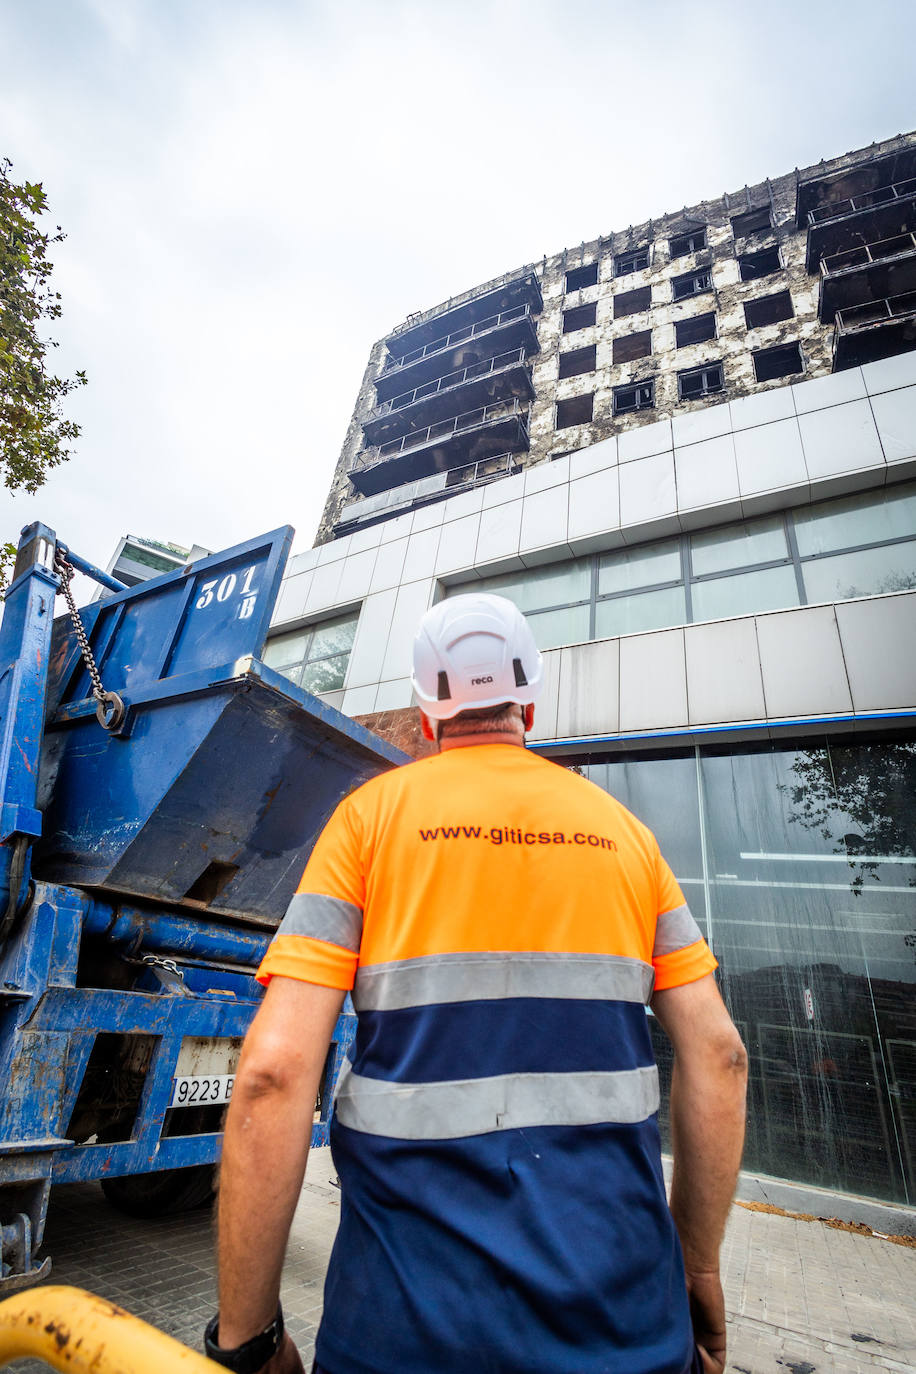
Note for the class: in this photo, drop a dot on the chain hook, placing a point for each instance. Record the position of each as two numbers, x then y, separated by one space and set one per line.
109 708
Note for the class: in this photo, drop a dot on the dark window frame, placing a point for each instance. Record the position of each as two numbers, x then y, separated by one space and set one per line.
698 282
620 393
701 372
750 261
749 222
629 261
680 245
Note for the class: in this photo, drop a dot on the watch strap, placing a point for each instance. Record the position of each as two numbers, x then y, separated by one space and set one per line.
251 1355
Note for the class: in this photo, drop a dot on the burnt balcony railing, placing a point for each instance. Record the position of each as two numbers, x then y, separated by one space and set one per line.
451 379
875 312
444 429
513 288
881 195
864 254
875 329
458 336
427 490
479 473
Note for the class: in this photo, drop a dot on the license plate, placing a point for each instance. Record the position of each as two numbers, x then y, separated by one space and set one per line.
201 1090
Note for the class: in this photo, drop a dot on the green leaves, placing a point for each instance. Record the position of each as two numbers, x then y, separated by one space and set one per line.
34 433
7 563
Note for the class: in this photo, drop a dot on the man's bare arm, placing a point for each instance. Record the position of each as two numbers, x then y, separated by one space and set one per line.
268 1131
708 1090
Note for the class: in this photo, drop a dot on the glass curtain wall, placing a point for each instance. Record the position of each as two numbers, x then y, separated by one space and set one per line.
799 864
850 546
315 657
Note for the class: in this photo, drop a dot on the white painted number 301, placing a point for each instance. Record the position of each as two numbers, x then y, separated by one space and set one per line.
221 589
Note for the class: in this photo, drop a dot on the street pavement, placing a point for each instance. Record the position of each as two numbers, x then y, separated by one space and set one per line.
802 1297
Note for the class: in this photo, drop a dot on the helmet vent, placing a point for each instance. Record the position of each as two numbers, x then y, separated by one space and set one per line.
444 690
520 679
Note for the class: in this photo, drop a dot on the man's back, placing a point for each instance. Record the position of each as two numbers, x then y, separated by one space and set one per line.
502 1198
501 924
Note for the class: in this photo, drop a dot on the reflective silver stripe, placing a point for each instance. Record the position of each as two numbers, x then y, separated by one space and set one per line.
489 976
675 930
323 918
479 1106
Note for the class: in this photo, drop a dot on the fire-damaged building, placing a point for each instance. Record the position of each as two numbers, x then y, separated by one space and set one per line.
687 450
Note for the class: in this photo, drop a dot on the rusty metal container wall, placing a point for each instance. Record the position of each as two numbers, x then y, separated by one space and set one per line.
214 791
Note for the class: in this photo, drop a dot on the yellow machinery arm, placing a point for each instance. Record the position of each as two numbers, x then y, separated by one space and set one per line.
73 1330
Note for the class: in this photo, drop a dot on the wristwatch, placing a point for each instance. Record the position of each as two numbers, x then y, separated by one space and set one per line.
250 1356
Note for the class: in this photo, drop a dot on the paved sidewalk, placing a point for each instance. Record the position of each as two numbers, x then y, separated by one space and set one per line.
802 1298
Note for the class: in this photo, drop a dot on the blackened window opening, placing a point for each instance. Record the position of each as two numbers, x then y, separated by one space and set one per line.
698 329
632 302
751 222
782 361
579 318
577 361
633 260
575 411
629 347
768 310
579 277
762 264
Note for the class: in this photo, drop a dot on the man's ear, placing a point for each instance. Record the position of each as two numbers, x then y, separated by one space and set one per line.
427 727
528 716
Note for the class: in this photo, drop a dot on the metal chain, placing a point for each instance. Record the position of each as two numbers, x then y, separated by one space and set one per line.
109 709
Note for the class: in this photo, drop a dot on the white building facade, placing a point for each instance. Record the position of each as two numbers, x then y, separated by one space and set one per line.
726 600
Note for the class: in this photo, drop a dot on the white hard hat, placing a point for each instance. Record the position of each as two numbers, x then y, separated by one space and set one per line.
474 651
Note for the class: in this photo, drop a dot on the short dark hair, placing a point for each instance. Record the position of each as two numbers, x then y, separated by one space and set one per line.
487 720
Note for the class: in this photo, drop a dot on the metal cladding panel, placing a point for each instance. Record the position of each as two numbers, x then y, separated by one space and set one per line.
213 802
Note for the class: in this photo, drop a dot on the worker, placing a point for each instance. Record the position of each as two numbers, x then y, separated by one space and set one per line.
502 924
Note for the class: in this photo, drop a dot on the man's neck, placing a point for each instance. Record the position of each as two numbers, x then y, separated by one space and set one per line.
466 741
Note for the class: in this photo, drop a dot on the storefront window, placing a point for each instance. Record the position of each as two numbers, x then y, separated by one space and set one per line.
806 858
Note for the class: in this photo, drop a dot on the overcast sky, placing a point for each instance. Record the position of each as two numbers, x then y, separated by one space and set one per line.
256 190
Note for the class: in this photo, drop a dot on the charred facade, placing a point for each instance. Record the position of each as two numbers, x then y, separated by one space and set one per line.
793 278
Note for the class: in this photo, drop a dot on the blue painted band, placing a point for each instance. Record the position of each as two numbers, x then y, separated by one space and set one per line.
463 1040
690 732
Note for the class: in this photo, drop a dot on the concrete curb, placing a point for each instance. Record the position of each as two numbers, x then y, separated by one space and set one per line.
886 1218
